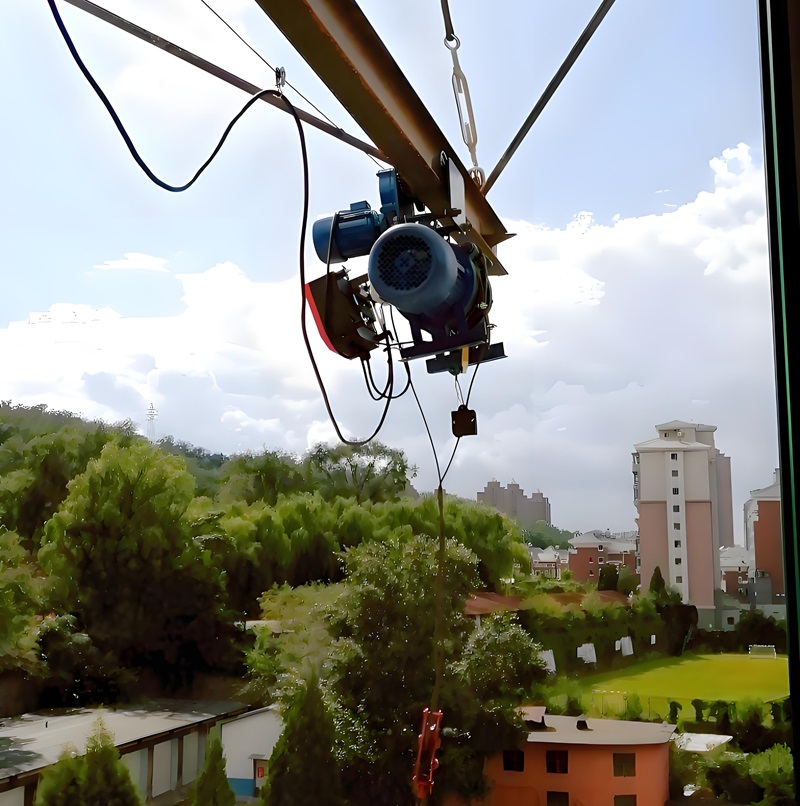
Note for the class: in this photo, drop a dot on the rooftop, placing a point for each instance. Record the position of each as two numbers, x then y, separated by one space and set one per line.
565 730
32 741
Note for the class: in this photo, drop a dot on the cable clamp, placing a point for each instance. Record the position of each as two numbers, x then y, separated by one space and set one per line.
280 79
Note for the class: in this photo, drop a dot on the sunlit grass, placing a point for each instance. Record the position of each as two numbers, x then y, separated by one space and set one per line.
729 677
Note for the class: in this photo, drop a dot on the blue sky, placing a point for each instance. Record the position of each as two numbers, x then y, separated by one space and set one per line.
638 285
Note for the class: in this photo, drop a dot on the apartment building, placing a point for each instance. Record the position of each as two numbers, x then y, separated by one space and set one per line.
682 492
526 510
589 551
766 585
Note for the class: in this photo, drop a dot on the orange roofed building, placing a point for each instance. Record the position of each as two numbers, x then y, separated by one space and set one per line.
574 761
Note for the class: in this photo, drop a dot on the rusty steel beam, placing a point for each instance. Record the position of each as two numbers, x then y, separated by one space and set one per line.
218 72
343 49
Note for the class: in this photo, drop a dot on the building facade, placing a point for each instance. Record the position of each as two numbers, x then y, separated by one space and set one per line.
682 492
763 536
571 760
512 501
589 551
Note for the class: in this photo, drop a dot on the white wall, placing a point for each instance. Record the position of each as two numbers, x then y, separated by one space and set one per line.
162 766
14 797
136 762
255 733
189 758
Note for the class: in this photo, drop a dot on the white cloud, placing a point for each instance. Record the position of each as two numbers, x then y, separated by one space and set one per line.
608 330
134 261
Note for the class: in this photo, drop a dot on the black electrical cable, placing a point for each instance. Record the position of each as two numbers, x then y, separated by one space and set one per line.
288 83
373 387
304 301
121 128
177 189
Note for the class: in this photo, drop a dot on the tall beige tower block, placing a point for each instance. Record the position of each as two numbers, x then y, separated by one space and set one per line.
682 491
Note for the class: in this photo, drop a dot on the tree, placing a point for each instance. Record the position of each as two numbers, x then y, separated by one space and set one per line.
265 476
371 472
19 598
98 776
212 788
627 582
303 770
122 560
106 779
542 534
382 668
773 771
62 783
608 578
35 472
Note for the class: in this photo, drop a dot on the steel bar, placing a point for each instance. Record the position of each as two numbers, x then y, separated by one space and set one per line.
343 49
549 91
224 75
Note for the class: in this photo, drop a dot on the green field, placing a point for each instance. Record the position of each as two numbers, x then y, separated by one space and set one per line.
732 678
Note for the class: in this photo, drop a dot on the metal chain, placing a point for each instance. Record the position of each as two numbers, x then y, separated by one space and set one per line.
463 100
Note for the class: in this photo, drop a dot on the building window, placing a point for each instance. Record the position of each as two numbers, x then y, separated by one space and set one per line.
600 560
591 573
557 761
677 544
674 457
676 507
676 526
514 760
624 765
676 490
678 561
624 800
591 559
678 580
731 620
675 474
600 547
558 799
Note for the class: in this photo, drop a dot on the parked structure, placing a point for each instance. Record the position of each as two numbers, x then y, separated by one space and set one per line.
568 760
162 744
589 551
512 501
682 491
764 544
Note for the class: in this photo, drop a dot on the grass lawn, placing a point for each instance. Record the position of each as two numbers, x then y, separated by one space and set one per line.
731 678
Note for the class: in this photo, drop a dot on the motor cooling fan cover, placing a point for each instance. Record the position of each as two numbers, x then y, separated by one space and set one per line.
413 268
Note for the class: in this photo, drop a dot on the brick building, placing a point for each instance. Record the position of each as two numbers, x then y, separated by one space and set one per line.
589 551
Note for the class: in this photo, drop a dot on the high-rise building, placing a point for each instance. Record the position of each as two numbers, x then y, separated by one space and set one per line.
764 542
682 492
512 501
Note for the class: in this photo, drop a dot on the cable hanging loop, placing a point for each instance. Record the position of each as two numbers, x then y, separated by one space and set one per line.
466 116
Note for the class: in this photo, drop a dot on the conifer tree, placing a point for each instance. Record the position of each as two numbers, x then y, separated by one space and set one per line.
62 784
107 779
212 787
302 769
98 777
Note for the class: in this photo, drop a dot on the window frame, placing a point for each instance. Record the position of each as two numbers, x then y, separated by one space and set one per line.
512 759
624 765
554 760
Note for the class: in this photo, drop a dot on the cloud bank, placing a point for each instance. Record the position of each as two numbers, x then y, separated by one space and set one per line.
609 329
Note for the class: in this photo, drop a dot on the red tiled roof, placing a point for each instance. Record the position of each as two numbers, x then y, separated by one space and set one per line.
482 603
